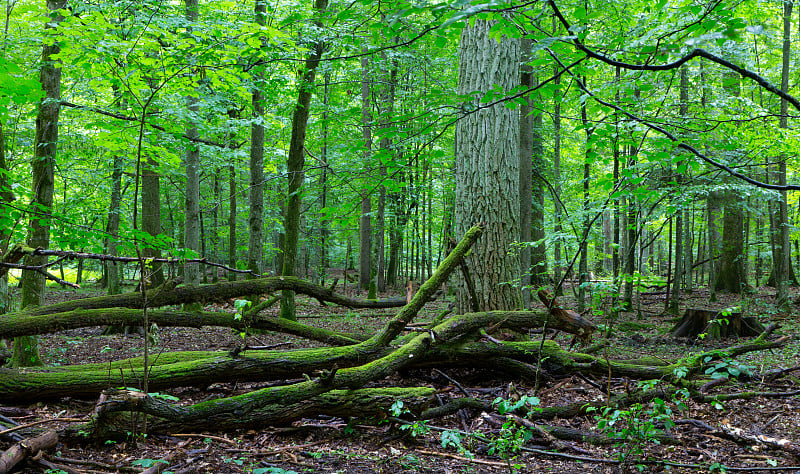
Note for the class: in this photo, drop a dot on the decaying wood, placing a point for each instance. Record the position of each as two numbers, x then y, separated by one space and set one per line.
328 380
566 315
26 448
716 325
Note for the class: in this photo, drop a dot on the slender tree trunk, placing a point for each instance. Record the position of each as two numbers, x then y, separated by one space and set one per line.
112 227
584 243
680 268
231 221
215 224
6 197
526 173
365 221
557 212
192 162
539 251
617 230
26 348
323 184
387 100
295 164
255 246
781 257
487 167
631 227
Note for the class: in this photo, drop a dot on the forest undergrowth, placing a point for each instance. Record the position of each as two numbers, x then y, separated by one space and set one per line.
691 436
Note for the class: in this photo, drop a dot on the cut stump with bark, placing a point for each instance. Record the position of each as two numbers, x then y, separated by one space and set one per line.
716 324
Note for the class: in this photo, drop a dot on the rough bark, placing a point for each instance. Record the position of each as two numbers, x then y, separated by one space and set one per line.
365 219
26 350
487 166
295 164
525 174
731 277
716 325
255 246
26 448
191 241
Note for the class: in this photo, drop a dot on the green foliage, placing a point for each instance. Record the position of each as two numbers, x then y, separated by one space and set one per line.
639 425
726 367
147 463
508 443
453 439
509 406
416 428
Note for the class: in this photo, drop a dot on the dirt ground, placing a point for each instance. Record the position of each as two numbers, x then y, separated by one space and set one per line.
328 444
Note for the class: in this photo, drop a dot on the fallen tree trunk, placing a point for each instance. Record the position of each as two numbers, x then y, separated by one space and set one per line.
114 421
197 368
20 324
216 293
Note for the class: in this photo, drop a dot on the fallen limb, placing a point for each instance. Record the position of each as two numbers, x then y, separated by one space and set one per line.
216 293
26 448
20 324
193 368
114 421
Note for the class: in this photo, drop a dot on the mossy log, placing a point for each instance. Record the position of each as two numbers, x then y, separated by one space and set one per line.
114 420
197 368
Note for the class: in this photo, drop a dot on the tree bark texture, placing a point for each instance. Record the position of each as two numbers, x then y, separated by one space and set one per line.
255 247
365 219
191 241
731 277
525 173
26 350
295 164
487 166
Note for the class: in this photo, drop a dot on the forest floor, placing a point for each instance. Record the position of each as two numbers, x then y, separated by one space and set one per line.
364 446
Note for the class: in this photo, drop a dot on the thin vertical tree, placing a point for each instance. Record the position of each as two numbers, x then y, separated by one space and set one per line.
365 219
255 246
296 162
781 256
26 348
191 236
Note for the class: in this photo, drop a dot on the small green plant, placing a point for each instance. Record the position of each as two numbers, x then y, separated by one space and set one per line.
726 367
509 443
416 428
635 427
147 463
452 438
507 406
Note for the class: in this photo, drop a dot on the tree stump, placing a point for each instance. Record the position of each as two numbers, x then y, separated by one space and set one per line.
716 325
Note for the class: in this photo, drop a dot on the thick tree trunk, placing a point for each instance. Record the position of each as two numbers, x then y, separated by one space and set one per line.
487 167
731 277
